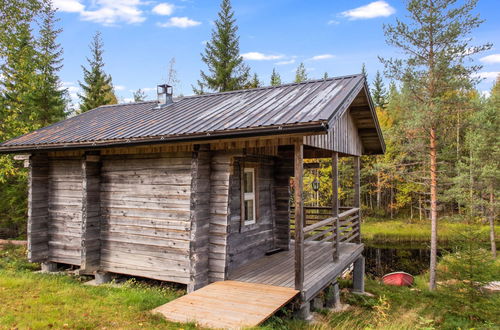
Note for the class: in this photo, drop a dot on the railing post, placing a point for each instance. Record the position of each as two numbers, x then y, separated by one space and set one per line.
335 205
299 214
357 192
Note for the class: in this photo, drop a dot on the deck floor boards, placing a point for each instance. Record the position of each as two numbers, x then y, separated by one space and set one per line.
228 305
320 269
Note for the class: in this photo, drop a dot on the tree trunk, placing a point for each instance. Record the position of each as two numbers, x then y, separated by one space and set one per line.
379 190
420 207
391 201
433 174
491 219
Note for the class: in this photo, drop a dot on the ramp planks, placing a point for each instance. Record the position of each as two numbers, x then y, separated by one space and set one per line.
228 304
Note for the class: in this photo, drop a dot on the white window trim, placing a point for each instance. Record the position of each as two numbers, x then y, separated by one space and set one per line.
250 196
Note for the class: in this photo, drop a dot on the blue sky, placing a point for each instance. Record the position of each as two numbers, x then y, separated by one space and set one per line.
141 36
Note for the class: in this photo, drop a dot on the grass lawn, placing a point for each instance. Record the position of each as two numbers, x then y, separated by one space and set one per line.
39 301
382 232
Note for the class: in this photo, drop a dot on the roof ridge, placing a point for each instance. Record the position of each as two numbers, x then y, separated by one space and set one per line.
122 104
271 87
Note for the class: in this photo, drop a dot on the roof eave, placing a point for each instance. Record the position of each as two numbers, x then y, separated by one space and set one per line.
302 128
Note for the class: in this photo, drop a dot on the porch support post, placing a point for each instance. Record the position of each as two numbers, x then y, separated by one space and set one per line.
358 278
299 221
357 192
335 205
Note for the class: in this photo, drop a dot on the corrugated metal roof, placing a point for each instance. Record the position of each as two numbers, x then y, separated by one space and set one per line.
292 104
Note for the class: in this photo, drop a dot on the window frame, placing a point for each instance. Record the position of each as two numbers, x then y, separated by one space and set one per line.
252 168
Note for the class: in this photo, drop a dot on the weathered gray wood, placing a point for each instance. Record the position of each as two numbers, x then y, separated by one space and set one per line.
358 277
335 203
65 210
199 218
248 242
38 217
299 204
91 213
146 215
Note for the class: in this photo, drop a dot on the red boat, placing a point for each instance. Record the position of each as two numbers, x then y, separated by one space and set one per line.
398 279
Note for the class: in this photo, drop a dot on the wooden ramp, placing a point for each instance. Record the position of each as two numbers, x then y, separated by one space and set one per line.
228 304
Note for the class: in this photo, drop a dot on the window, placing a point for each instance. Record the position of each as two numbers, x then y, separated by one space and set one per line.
248 196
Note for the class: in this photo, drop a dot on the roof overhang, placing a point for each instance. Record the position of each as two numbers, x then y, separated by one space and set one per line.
316 127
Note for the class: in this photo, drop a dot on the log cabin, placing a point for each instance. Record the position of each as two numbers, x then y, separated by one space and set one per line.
197 189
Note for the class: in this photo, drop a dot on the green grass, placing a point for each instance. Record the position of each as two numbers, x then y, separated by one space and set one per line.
37 301
386 232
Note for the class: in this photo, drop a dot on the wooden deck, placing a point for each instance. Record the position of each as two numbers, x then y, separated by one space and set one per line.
228 305
320 269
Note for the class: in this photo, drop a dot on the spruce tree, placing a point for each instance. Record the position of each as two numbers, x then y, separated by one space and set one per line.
300 74
97 87
379 92
226 69
48 98
435 41
363 71
254 82
275 78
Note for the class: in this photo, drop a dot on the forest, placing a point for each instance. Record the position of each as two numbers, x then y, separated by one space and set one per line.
442 144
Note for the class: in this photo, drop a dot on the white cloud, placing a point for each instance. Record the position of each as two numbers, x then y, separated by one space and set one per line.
128 100
485 94
119 87
164 9
322 57
68 6
492 75
333 22
285 62
110 12
72 88
256 56
494 58
180 22
371 10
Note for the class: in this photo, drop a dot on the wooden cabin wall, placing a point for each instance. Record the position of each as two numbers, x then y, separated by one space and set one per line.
38 208
247 243
65 210
284 169
200 218
342 137
221 167
145 211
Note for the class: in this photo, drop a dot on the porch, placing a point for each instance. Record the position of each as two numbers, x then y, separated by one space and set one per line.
326 255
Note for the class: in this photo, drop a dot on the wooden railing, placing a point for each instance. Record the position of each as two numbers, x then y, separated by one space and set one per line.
321 226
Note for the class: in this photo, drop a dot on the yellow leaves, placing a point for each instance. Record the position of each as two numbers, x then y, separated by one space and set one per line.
384 119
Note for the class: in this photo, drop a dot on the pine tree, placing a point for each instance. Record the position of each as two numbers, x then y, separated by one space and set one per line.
48 98
254 83
325 76
275 78
436 44
379 92
139 96
301 73
97 87
226 69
